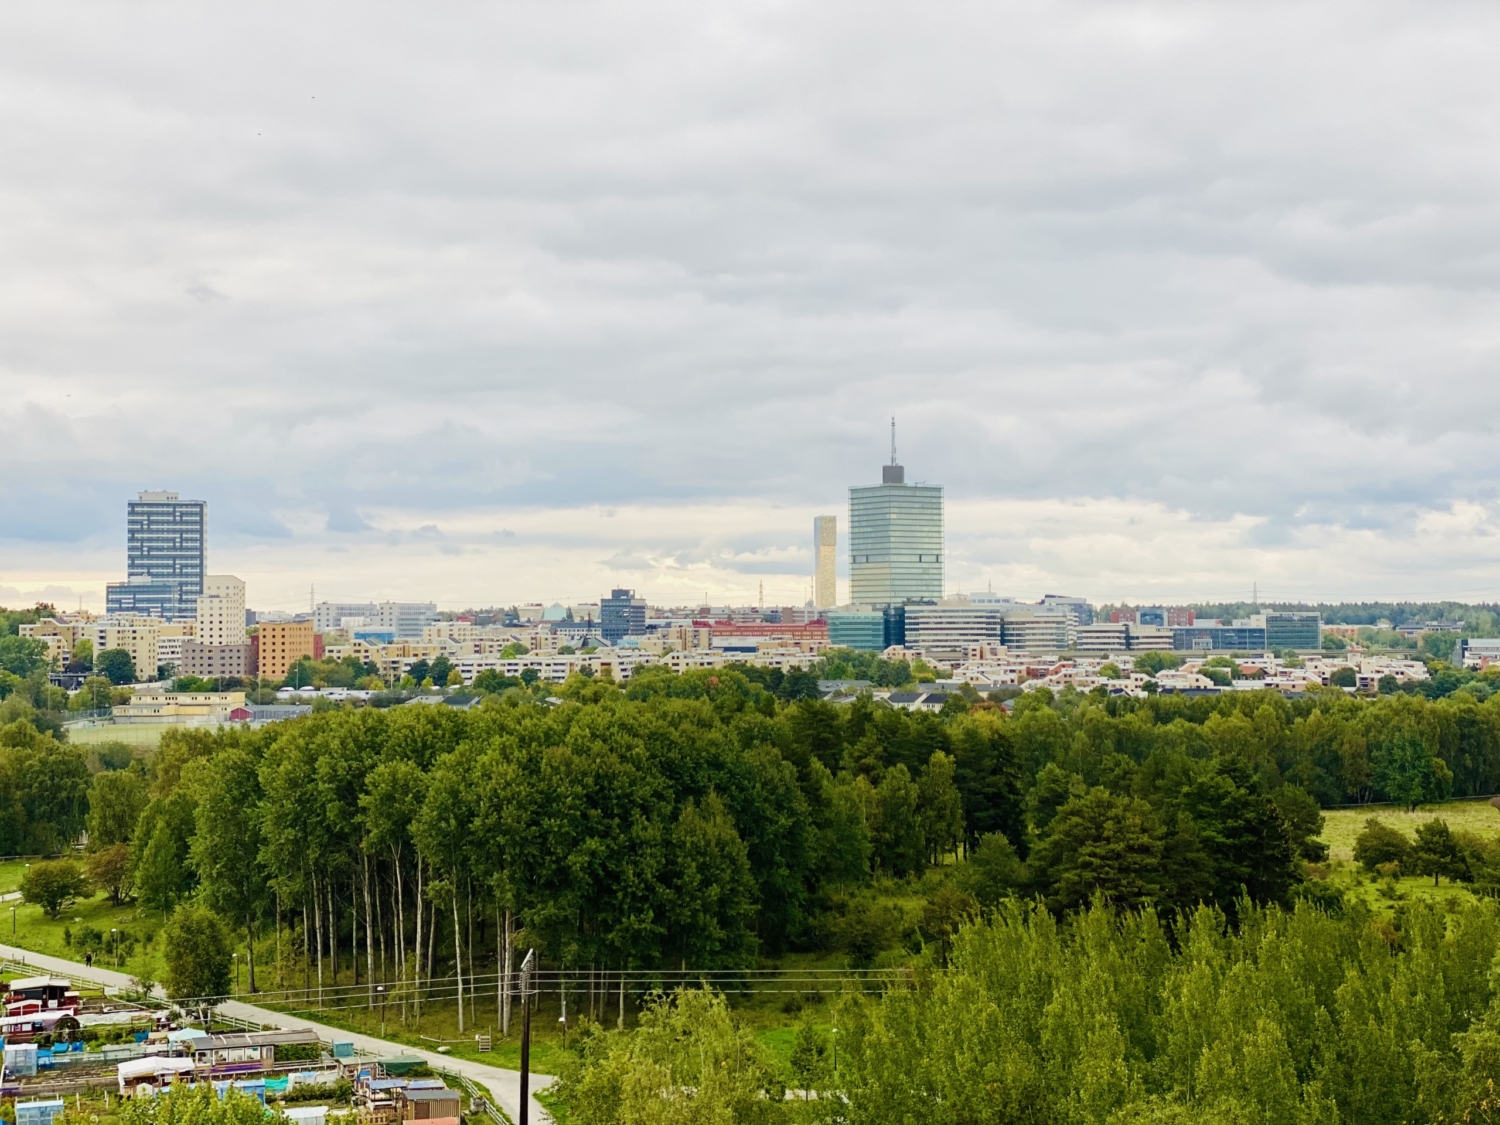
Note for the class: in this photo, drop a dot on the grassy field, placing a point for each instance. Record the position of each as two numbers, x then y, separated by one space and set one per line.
133 734
57 937
1343 825
10 875
1384 895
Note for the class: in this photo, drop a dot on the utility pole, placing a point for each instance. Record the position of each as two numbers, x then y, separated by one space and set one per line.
526 967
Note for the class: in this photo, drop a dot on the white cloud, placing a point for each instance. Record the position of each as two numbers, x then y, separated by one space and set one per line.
1223 267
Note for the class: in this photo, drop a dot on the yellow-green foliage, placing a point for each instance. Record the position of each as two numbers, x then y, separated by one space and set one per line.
689 1061
1296 1018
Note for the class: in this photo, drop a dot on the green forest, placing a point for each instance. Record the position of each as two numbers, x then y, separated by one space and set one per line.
1130 859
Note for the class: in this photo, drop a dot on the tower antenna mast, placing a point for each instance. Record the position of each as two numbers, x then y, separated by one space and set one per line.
893 439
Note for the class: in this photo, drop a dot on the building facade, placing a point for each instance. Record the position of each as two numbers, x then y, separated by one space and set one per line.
1038 631
179 707
404 620
895 541
221 611
825 561
210 661
1078 609
955 624
1294 630
328 616
1220 638
857 627
139 636
166 545
622 614
282 644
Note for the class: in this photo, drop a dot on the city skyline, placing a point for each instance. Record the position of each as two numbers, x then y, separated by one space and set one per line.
1070 564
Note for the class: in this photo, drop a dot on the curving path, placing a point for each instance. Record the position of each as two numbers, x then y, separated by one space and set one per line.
504 1085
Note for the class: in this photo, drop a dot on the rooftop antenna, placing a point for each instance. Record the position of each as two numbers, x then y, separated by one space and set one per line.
1255 594
893 473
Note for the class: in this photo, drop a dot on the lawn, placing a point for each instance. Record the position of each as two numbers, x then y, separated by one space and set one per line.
57 937
134 734
10 874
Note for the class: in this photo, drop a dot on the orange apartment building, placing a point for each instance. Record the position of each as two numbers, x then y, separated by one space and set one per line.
281 645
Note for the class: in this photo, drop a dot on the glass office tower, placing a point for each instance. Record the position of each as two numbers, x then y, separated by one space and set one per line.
895 541
165 557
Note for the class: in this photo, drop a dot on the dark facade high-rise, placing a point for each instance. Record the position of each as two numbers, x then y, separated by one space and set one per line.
622 614
166 546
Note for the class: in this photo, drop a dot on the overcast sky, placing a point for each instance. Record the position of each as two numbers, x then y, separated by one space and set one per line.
497 302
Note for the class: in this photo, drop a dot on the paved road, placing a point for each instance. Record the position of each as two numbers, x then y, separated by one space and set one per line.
504 1084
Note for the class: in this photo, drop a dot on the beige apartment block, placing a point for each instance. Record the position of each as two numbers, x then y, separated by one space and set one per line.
139 636
221 611
282 644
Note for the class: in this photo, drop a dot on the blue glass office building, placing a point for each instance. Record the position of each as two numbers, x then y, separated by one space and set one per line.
1294 630
895 541
868 629
166 543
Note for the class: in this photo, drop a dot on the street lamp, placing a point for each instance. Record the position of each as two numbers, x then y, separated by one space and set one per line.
526 967
116 935
835 1034
235 957
12 923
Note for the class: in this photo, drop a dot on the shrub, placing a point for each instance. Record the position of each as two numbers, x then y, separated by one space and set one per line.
1381 844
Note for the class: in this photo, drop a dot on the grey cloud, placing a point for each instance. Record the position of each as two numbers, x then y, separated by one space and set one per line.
1228 259
344 517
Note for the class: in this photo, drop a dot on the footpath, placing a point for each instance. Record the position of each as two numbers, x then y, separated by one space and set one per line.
504 1085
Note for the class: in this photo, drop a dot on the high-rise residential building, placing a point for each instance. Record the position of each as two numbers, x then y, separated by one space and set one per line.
895 540
221 611
166 545
622 614
825 561
281 644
